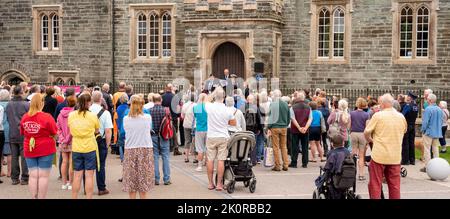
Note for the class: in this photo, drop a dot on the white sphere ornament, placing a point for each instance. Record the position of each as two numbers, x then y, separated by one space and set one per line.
438 169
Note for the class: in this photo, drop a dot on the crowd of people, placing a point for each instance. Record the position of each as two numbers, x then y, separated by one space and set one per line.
39 122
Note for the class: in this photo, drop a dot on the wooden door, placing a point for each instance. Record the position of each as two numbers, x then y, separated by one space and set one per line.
228 55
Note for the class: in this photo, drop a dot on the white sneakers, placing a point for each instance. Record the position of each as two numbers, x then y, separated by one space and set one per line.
67 186
199 169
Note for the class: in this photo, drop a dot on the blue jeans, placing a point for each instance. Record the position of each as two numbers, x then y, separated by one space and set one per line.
121 145
100 174
161 147
41 163
259 146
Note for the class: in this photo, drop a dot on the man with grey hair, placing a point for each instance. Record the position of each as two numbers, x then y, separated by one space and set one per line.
385 132
107 97
105 132
277 123
219 117
240 119
431 129
425 97
16 108
301 119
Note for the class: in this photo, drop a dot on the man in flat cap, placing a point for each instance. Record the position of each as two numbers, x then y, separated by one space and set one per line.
410 111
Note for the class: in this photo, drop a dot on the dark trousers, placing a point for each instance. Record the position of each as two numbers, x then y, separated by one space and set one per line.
181 130
2 144
60 163
289 141
442 140
303 139
324 143
100 174
408 148
16 152
174 141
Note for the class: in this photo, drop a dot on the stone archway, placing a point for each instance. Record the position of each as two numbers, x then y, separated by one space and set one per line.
13 73
14 77
209 41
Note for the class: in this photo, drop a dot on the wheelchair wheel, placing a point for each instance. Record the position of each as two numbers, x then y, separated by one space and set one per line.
230 186
322 196
315 194
358 197
252 187
247 183
403 172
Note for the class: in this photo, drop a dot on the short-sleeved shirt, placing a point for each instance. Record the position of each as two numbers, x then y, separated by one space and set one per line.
218 118
387 128
316 115
137 131
82 127
201 118
105 118
41 127
358 119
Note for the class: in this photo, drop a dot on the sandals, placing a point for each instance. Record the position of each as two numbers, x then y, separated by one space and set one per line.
211 188
313 161
219 189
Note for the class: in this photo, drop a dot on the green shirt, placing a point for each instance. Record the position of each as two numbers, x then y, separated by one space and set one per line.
278 115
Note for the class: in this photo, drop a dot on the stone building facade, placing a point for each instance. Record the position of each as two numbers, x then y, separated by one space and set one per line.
389 44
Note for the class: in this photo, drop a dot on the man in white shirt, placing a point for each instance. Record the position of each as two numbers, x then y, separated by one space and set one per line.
187 114
219 117
106 132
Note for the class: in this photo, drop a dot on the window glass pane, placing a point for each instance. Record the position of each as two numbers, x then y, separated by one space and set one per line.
406 31
154 35
142 36
55 22
44 32
324 33
422 32
167 30
338 32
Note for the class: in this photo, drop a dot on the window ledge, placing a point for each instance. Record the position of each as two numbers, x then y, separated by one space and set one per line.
49 53
167 60
330 61
414 61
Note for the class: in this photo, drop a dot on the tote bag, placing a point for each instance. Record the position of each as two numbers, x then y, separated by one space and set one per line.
268 154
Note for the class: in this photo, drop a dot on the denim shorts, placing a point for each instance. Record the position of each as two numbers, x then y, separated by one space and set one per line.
6 149
43 163
84 161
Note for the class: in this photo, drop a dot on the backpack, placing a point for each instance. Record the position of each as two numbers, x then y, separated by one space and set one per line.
334 128
346 177
166 129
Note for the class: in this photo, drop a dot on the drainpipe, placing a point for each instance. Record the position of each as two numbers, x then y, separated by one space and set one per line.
113 69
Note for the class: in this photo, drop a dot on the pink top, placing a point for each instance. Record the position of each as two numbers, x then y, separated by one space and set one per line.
343 126
64 136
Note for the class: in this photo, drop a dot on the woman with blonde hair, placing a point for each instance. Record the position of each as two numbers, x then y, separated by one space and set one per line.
138 163
342 117
39 131
359 120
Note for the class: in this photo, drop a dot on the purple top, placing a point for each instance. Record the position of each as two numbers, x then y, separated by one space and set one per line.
358 119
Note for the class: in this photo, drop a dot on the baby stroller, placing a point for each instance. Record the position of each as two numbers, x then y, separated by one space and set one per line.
326 189
238 166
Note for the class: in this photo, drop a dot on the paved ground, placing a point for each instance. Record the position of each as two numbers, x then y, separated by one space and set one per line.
189 184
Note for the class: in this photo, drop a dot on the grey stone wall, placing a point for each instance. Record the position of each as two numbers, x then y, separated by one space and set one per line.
86 41
371 51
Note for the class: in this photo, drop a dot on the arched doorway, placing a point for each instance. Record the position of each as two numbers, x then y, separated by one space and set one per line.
13 77
228 55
